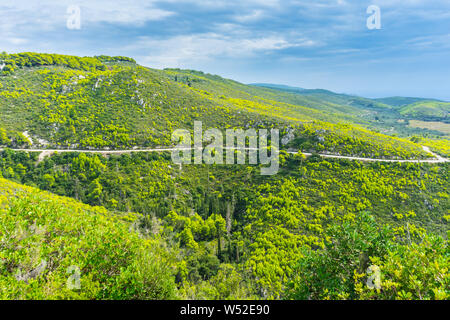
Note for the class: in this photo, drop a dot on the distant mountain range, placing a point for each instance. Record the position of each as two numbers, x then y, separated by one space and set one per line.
411 107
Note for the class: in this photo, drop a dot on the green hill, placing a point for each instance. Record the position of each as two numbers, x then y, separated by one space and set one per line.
401 101
57 248
427 110
136 226
103 102
339 126
117 105
354 104
229 232
384 115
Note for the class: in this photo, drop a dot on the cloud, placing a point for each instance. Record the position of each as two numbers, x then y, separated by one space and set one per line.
411 3
179 50
427 42
123 11
253 16
49 12
15 41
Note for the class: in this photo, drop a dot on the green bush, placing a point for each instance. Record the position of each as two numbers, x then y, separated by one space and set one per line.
347 265
46 238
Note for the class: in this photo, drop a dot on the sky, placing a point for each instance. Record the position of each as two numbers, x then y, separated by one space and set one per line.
310 44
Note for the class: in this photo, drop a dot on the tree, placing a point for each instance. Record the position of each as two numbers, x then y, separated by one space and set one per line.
95 190
329 273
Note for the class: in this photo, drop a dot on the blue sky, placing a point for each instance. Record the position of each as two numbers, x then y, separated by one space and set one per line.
310 44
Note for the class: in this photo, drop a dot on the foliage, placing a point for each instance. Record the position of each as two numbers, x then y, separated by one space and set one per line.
31 59
209 231
44 237
345 268
72 102
427 110
329 273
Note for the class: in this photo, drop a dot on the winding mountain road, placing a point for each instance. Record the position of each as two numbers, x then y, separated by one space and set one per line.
48 152
437 158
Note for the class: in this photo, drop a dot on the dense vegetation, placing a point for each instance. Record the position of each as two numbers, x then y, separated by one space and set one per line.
30 59
125 105
57 248
398 268
136 226
231 217
390 116
13 139
427 110
401 101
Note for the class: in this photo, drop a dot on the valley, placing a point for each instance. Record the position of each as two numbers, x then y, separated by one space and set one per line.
87 182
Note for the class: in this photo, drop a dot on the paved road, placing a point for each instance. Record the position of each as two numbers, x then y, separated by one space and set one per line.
47 152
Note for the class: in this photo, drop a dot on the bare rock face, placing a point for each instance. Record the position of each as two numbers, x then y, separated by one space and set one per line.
288 137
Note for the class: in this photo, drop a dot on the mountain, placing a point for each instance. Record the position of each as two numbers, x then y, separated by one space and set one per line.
134 225
427 110
386 115
72 102
326 96
277 86
331 96
401 101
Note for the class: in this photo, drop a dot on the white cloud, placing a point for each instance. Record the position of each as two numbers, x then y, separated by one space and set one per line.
220 4
178 50
253 16
45 13
15 41
122 11
410 3
435 41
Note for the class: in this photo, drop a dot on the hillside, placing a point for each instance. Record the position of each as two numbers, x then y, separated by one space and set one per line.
427 110
235 234
342 128
137 226
401 101
353 103
385 115
57 248
114 103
